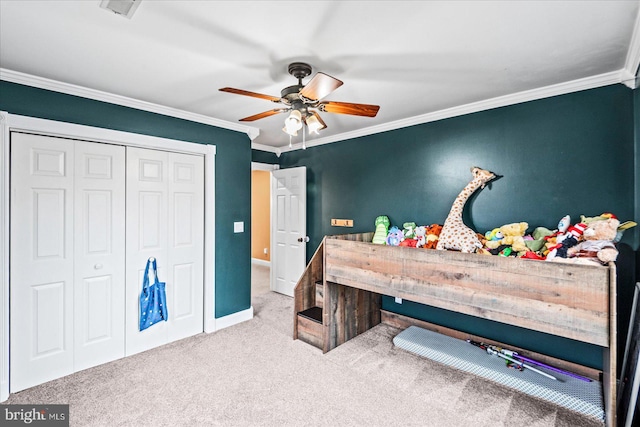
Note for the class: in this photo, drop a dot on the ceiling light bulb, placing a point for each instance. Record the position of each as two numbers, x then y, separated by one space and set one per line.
290 132
293 122
314 124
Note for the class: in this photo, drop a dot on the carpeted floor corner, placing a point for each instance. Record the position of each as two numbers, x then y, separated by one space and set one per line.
255 374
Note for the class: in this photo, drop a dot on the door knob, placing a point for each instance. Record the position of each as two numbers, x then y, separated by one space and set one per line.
304 239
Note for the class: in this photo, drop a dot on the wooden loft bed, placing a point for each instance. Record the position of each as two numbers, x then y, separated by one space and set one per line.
339 297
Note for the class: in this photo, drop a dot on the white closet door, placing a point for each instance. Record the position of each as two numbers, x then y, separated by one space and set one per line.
165 220
41 259
99 199
147 192
186 245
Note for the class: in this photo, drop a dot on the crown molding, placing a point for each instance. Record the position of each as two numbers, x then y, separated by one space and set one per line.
620 76
70 89
474 107
276 150
632 62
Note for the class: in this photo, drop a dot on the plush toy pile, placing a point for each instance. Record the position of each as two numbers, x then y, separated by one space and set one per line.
588 241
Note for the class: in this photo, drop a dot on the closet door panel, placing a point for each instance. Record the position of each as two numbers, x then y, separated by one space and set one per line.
186 247
41 259
147 236
99 253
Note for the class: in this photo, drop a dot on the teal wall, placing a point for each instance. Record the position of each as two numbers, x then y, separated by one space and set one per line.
233 172
569 154
260 156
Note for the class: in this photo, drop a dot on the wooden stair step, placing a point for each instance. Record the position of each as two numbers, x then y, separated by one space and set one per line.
313 313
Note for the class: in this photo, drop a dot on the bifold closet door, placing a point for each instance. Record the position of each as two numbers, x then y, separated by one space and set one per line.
67 257
165 220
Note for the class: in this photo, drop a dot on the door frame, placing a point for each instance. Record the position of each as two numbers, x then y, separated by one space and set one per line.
13 122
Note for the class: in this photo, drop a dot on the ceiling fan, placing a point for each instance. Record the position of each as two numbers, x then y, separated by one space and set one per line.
302 101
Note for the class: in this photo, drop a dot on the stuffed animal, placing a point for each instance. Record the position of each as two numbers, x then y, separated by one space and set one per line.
603 217
395 236
455 234
565 241
622 228
421 236
538 239
409 230
493 235
598 244
410 243
382 224
433 234
513 235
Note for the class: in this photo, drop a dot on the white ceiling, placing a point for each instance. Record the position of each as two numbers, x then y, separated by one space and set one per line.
418 60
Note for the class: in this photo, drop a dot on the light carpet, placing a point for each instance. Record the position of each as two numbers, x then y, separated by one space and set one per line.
255 374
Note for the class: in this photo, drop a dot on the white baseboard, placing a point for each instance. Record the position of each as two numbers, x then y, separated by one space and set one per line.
234 318
261 262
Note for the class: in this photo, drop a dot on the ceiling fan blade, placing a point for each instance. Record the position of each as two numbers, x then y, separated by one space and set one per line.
248 93
366 110
320 86
264 114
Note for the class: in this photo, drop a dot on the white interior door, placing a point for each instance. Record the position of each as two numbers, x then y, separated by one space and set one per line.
165 220
289 228
99 253
41 259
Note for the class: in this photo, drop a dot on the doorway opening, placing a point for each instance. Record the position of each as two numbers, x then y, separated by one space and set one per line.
261 227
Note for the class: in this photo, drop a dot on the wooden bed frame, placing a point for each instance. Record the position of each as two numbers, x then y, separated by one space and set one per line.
347 276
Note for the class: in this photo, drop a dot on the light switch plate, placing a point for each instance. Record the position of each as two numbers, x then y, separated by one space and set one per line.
398 300
238 227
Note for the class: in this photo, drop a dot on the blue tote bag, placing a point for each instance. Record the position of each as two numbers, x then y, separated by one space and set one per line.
153 298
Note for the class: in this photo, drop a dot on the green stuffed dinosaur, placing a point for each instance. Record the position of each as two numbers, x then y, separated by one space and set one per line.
382 227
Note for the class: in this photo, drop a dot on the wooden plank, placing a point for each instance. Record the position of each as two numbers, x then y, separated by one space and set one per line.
347 313
319 294
304 293
402 322
562 299
310 332
352 312
333 316
610 362
355 237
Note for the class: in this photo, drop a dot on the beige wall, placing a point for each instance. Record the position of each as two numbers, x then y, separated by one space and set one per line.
260 214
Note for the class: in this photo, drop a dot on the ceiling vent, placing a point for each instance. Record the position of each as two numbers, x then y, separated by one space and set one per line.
124 8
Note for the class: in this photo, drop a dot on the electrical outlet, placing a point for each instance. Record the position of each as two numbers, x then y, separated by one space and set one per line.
266 251
398 300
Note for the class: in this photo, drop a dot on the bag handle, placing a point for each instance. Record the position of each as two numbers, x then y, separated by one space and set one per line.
154 267
151 262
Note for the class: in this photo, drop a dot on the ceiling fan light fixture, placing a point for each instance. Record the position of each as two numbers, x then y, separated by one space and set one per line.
289 132
293 123
314 124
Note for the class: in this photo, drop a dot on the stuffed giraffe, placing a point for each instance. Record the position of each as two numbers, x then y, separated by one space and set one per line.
455 235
